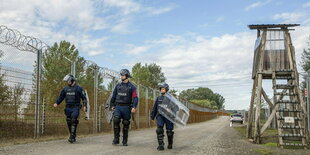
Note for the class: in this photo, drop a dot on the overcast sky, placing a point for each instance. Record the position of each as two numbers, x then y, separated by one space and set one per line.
198 43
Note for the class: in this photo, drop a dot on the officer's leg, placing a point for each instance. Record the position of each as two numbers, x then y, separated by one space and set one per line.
74 125
116 123
68 113
69 123
160 133
125 112
170 133
126 124
75 122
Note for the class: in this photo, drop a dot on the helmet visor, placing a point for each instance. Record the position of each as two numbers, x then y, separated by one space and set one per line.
67 78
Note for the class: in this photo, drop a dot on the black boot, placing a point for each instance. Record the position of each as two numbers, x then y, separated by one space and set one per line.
126 124
116 124
115 140
170 134
72 138
69 124
160 138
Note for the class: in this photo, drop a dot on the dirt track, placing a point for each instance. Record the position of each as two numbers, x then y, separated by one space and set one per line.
211 137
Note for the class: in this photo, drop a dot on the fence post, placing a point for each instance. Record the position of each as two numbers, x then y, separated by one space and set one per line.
154 95
113 83
99 118
99 113
95 99
73 68
308 100
138 110
37 103
43 116
147 106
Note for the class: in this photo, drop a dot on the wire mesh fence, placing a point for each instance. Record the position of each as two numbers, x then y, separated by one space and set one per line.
28 90
17 100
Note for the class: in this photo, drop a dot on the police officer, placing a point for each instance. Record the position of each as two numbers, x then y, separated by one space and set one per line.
124 101
161 120
73 94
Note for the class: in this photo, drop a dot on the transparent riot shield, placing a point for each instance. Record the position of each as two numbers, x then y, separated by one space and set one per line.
108 112
88 107
174 110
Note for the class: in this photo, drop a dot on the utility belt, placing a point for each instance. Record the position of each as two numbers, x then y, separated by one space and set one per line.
124 104
73 105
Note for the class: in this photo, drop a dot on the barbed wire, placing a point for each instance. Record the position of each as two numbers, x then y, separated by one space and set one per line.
22 42
109 73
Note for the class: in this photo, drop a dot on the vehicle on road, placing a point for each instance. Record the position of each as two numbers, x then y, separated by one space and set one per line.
236 118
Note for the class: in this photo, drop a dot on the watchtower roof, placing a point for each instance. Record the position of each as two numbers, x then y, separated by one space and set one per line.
268 26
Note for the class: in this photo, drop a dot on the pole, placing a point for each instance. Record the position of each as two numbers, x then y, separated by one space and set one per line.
99 114
147 106
113 83
37 103
138 111
308 99
43 117
95 99
73 68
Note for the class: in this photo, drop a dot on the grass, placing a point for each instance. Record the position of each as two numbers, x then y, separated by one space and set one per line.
263 151
271 144
241 131
269 138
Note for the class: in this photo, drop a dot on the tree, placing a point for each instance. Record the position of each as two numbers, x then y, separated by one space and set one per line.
155 75
56 67
206 103
17 93
205 97
148 75
220 100
173 92
305 62
4 89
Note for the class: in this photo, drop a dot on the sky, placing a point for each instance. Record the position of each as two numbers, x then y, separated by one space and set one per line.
198 43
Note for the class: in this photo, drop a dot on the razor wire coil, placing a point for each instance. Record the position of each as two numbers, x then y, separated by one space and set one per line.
22 42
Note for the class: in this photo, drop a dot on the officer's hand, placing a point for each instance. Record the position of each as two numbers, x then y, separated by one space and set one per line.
112 108
55 105
85 109
133 110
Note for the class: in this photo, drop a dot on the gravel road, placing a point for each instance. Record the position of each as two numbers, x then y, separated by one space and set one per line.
210 137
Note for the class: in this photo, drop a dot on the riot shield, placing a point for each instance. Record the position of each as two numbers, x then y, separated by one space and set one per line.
88 107
108 111
174 110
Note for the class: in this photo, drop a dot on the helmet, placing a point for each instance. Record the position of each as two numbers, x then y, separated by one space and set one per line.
125 72
69 77
164 85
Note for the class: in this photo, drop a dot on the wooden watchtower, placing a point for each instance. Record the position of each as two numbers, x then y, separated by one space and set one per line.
274 59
